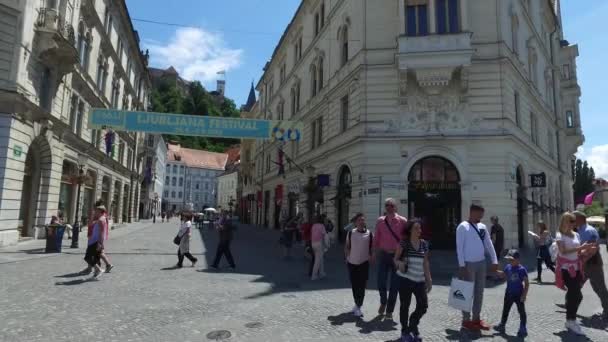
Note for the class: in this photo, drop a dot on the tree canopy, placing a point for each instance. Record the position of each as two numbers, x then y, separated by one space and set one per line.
167 98
583 180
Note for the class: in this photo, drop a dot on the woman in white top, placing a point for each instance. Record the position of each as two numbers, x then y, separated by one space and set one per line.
569 270
359 251
185 234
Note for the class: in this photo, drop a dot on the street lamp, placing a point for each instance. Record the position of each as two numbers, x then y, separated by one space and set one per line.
82 162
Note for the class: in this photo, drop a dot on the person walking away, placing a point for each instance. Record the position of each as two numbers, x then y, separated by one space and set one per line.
543 242
569 273
389 230
185 234
162 216
358 250
515 293
95 245
288 235
413 267
104 218
306 237
225 228
594 266
472 243
498 236
317 240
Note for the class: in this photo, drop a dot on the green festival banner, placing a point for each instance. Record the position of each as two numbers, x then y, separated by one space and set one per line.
196 125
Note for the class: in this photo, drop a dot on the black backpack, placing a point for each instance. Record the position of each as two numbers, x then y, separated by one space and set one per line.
371 240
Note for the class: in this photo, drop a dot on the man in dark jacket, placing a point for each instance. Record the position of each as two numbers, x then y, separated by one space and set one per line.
226 230
498 236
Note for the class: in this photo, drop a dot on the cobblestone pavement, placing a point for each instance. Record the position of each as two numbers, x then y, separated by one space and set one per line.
266 299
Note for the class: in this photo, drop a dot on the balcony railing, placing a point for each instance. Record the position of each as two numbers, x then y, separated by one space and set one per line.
50 20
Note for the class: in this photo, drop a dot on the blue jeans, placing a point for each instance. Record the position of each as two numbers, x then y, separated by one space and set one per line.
386 269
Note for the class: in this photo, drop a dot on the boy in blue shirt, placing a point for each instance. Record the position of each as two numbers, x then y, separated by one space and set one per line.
516 292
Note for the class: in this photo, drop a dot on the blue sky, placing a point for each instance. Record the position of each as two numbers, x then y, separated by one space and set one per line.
239 36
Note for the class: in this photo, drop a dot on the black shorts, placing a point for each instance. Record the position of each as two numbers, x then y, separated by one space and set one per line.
93 254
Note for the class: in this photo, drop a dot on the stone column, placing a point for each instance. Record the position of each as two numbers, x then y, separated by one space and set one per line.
432 17
119 204
464 15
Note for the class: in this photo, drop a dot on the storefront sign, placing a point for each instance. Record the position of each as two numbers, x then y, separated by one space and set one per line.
538 180
196 125
17 150
294 187
433 186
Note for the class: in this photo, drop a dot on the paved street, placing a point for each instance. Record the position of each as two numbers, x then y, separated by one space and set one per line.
267 299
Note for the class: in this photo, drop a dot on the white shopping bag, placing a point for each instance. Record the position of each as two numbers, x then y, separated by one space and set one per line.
461 295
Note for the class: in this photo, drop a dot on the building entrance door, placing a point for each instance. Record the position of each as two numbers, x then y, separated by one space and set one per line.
434 198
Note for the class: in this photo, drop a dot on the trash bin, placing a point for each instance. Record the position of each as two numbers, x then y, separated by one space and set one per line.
54 238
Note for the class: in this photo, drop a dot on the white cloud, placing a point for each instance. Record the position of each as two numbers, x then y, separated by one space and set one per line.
196 54
597 157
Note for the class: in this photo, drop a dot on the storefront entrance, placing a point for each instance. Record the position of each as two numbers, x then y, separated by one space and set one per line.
434 197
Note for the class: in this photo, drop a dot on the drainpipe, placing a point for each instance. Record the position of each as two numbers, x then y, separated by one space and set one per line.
556 114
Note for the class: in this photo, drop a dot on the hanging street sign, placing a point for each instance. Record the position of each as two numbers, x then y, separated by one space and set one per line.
196 125
538 180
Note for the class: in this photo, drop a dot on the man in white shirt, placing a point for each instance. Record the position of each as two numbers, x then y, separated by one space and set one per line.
473 242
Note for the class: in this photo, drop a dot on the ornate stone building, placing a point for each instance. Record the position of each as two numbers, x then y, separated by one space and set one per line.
438 103
59 59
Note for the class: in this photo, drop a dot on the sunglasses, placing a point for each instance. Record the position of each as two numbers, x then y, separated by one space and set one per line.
572 221
389 205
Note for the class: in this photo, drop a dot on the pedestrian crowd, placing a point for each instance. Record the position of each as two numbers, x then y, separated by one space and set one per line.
402 259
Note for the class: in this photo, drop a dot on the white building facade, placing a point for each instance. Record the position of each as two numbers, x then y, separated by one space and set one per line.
439 104
59 59
191 178
226 190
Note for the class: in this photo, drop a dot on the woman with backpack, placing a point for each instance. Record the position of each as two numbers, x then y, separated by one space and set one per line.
359 252
412 263
184 234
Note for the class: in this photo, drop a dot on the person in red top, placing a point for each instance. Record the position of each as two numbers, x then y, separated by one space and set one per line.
389 231
306 238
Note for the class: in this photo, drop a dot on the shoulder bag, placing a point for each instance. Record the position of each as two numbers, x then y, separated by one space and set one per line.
391 230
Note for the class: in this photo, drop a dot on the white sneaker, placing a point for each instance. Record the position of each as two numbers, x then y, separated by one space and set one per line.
354 310
574 327
358 313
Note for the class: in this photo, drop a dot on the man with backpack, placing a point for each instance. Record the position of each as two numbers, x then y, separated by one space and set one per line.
359 252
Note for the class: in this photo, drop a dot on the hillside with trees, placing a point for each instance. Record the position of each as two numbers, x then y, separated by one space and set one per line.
167 98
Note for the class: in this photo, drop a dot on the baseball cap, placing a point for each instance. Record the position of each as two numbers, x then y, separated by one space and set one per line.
512 254
579 213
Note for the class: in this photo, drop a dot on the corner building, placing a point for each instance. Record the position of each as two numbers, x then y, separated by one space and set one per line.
59 59
437 103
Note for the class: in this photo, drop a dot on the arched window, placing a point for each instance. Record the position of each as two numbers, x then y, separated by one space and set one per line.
434 169
344 45
320 71
313 80
174 181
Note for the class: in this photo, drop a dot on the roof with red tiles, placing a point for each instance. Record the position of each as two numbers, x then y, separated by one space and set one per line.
197 158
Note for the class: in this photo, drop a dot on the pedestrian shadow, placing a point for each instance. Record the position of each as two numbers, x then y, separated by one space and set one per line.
467 335
343 318
69 275
594 322
171 268
567 336
71 282
376 324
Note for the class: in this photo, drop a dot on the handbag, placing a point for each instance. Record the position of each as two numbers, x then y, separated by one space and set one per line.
390 229
403 267
177 239
461 295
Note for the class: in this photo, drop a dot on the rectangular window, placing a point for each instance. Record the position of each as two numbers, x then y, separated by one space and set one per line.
181 181
313 135
322 14
516 104
172 194
166 194
282 73
167 180
320 131
344 113
179 194
119 50
569 119
566 72
121 152
417 20
533 128
447 16
317 23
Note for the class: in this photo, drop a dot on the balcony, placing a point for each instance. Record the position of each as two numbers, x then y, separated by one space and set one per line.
434 58
56 41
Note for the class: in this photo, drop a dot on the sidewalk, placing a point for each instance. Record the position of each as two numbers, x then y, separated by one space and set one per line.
34 249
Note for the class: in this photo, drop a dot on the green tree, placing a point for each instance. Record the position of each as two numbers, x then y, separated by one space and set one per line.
583 179
594 209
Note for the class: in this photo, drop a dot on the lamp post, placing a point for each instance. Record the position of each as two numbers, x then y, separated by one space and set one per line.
82 161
